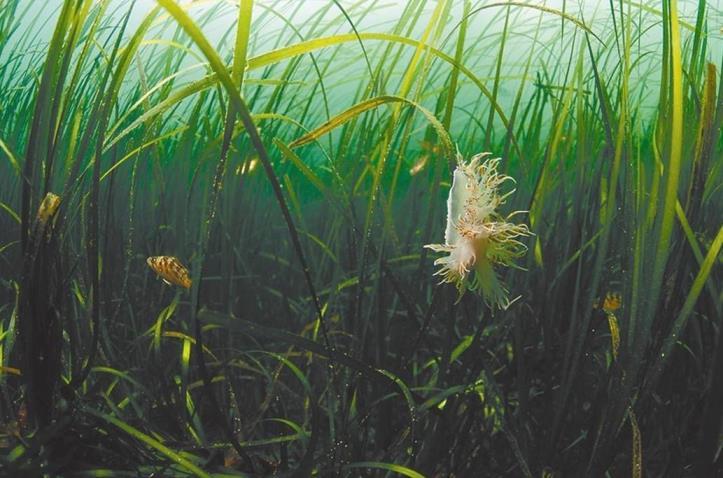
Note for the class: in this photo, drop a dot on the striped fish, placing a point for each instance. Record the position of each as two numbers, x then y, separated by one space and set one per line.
170 269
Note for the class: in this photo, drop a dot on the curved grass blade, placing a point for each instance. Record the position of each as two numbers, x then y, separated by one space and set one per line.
11 157
580 24
402 470
700 279
325 42
10 212
220 69
367 105
251 328
305 47
410 404
150 441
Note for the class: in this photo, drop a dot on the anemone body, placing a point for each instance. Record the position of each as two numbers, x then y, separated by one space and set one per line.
477 238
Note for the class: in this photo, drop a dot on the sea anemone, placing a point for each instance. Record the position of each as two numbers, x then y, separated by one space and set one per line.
477 237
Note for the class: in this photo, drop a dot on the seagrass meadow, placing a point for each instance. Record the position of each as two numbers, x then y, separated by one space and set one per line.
213 220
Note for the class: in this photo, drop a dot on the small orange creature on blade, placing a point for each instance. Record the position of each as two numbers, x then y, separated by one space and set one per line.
170 269
613 301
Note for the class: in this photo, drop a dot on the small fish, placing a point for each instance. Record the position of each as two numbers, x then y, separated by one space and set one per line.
612 302
430 147
247 167
48 208
170 269
419 165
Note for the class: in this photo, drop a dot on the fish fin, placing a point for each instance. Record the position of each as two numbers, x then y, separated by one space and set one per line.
167 283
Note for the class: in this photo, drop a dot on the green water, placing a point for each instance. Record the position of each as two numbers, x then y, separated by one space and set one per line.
284 164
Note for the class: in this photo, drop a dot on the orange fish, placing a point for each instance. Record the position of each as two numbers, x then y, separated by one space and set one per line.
612 302
170 269
48 208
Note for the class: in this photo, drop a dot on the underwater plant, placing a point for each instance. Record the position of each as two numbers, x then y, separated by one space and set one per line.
297 154
477 236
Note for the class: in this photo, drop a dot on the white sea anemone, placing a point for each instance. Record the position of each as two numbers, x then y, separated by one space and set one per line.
477 237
